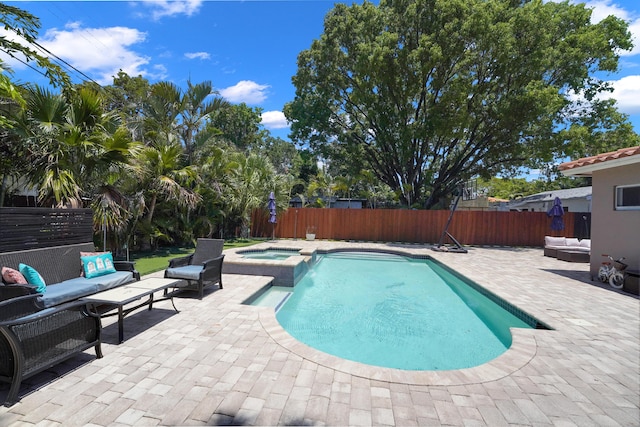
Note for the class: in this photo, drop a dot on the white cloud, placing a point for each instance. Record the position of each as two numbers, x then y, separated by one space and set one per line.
161 8
99 51
197 55
604 8
627 92
245 91
274 120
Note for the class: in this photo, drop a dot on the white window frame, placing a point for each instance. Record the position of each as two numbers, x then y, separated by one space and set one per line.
618 198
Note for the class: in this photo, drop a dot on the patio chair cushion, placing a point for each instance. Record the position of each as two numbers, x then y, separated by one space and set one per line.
33 277
189 272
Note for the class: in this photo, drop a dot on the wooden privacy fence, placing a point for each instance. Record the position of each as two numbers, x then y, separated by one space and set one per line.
418 226
31 228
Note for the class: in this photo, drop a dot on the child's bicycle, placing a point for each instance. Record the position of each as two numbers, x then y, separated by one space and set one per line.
612 271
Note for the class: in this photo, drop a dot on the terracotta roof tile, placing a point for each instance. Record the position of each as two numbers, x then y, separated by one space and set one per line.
600 158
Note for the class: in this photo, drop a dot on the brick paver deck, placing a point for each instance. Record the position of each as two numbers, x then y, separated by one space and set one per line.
220 362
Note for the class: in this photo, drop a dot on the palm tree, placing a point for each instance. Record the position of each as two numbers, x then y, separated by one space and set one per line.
344 185
215 167
163 179
170 111
196 106
250 185
72 144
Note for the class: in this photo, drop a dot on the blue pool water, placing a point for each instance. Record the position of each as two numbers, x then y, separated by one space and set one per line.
397 312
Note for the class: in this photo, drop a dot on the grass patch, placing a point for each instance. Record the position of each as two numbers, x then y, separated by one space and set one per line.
150 262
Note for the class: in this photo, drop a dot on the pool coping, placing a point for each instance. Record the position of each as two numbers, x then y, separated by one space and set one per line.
522 350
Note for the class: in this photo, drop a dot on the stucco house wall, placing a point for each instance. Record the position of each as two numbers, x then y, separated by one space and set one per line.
614 232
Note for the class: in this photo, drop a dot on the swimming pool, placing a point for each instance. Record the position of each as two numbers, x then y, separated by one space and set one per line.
398 312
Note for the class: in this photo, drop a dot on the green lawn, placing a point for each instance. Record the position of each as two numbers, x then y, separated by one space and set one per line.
150 262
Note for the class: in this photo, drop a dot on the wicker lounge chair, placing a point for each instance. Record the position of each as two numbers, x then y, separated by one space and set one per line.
200 269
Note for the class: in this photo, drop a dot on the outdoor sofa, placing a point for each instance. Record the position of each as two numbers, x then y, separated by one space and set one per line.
40 330
61 268
552 245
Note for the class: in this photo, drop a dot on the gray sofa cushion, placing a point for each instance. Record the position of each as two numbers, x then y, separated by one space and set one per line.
79 287
66 291
112 280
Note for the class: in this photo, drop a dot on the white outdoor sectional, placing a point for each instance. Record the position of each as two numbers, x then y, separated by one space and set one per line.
567 248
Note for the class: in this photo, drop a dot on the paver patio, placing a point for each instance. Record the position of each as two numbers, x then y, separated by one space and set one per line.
220 362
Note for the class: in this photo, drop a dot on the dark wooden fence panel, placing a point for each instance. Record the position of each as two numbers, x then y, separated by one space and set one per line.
416 226
30 228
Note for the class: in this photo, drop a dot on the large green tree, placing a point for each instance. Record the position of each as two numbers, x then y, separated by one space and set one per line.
126 97
433 92
240 125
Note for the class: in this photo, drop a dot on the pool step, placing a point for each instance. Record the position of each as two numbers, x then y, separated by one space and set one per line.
274 297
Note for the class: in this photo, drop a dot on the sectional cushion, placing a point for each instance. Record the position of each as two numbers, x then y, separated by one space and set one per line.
33 277
572 241
97 265
11 276
555 241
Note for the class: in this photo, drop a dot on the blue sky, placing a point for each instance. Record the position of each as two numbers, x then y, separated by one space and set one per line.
247 49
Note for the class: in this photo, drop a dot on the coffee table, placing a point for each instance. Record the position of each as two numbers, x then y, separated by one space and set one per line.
126 294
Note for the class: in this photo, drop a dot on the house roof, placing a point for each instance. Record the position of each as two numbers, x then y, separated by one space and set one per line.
496 200
549 196
586 165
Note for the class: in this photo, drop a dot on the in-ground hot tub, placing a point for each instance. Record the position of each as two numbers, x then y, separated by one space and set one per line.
286 265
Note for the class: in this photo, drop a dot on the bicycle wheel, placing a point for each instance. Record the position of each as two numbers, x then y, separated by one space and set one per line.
603 274
616 280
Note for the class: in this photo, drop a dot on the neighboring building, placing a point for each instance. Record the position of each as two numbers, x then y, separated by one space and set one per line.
348 203
482 203
615 204
573 200
19 194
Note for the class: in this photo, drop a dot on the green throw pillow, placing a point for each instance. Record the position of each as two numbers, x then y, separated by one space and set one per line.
33 277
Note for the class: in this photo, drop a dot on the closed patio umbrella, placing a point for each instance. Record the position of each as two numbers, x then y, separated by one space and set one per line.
271 205
556 212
